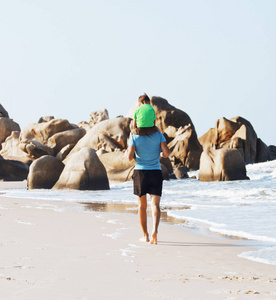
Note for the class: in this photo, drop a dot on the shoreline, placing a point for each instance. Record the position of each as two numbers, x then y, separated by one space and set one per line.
132 209
51 251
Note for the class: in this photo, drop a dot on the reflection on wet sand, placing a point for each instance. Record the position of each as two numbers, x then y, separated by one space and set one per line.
133 209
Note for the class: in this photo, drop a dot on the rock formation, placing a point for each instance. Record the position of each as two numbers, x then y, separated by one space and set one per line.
66 156
3 112
44 172
46 119
98 116
236 133
168 115
95 118
185 148
64 151
165 172
108 135
12 170
272 151
7 126
11 149
167 163
117 166
181 172
208 140
68 137
263 153
35 149
83 171
221 165
41 132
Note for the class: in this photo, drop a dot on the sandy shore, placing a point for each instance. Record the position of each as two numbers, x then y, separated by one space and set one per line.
50 250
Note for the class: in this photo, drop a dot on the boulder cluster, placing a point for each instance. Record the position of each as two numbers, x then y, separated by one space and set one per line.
55 154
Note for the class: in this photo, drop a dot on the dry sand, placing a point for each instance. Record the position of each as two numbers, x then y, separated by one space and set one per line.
50 250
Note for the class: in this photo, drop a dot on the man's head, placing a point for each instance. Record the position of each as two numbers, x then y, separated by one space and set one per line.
144 99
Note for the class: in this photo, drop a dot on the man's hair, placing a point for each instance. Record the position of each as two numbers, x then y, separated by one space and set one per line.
144 99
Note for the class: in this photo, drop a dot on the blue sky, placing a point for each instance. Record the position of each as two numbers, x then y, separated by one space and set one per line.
211 59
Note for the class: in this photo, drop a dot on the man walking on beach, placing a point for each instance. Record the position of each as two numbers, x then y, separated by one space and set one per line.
147 177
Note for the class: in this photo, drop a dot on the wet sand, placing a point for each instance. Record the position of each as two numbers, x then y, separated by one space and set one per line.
51 250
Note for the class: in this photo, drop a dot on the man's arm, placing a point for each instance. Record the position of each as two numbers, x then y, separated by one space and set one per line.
134 123
165 150
130 152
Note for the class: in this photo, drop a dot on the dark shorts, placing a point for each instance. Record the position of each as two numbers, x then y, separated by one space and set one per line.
147 182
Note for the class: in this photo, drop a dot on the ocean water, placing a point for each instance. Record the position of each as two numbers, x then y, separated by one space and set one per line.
241 209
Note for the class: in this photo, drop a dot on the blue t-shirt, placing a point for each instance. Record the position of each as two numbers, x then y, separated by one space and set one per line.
147 150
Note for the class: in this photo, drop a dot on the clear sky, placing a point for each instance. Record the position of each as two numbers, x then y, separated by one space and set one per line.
209 58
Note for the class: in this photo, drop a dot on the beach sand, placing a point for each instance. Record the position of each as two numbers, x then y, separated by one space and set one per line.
51 250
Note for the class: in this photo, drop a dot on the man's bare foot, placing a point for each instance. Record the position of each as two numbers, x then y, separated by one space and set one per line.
153 239
144 239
